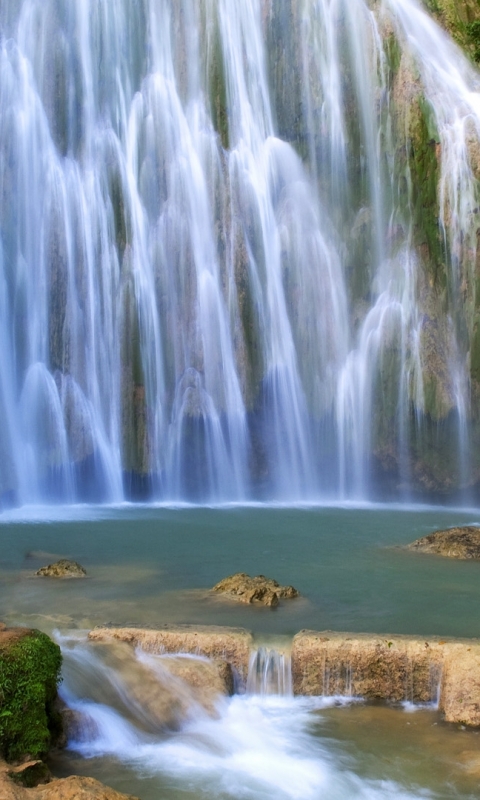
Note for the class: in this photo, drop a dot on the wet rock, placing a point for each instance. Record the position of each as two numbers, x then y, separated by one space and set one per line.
62 569
77 726
244 589
459 543
394 668
222 644
30 774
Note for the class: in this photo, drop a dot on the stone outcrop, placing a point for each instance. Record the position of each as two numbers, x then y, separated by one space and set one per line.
393 668
72 788
244 589
230 645
62 569
459 543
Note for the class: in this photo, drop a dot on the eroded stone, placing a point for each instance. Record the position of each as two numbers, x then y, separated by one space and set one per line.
62 569
244 589
394 668
460 543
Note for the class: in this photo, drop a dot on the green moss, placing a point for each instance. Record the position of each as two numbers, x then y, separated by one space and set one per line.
218 91
475 352
461 19
393 52
29 675
425 176
473 35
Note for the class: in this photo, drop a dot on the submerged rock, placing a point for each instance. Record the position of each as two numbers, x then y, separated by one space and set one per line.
244 589
460 543
62 569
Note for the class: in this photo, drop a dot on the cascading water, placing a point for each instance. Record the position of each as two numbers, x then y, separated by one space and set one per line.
152 731
237 251
270 673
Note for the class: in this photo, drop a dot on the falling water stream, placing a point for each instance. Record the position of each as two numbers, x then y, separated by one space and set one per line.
238 252
219 277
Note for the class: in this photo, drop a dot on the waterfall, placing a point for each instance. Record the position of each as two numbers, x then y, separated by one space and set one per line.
270 673
238 248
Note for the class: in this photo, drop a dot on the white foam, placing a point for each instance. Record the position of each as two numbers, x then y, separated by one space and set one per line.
265 747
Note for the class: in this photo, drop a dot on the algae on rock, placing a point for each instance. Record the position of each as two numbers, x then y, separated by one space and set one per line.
29 674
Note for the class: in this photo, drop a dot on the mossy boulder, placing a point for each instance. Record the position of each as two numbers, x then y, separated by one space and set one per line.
29 675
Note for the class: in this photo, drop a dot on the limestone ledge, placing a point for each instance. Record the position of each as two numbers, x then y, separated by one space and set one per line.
232 645
394 668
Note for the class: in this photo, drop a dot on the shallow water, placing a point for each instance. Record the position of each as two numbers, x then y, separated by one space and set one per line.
153 565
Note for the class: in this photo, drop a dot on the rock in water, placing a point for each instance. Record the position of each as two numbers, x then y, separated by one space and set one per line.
460 543
62 569
260 589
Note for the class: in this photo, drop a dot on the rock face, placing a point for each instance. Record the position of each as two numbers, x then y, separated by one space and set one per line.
73 788
393 668
29 672
244 589
228 645
62 569
460 543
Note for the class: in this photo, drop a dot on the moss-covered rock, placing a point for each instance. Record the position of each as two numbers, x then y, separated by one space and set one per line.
461 19
29 674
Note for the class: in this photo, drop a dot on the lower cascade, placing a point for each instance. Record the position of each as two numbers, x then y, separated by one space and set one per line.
238 252
270 673
147 715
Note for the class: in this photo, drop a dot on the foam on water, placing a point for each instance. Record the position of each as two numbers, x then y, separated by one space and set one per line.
255 747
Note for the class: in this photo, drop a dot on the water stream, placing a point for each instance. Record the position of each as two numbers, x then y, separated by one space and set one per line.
218 279
132 719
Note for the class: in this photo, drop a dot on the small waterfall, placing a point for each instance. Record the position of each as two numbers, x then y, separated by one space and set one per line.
238 247
270 673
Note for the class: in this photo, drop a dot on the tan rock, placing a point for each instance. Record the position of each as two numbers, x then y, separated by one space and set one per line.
73 788
244 589
62 569
391 668
460 543
230 645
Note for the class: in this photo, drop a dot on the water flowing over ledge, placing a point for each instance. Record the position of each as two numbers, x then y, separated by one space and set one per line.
238 249
263 739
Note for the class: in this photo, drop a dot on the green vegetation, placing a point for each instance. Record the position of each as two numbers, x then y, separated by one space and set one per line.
461 18
29 675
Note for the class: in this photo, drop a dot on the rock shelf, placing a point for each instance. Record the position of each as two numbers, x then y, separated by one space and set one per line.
392 668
